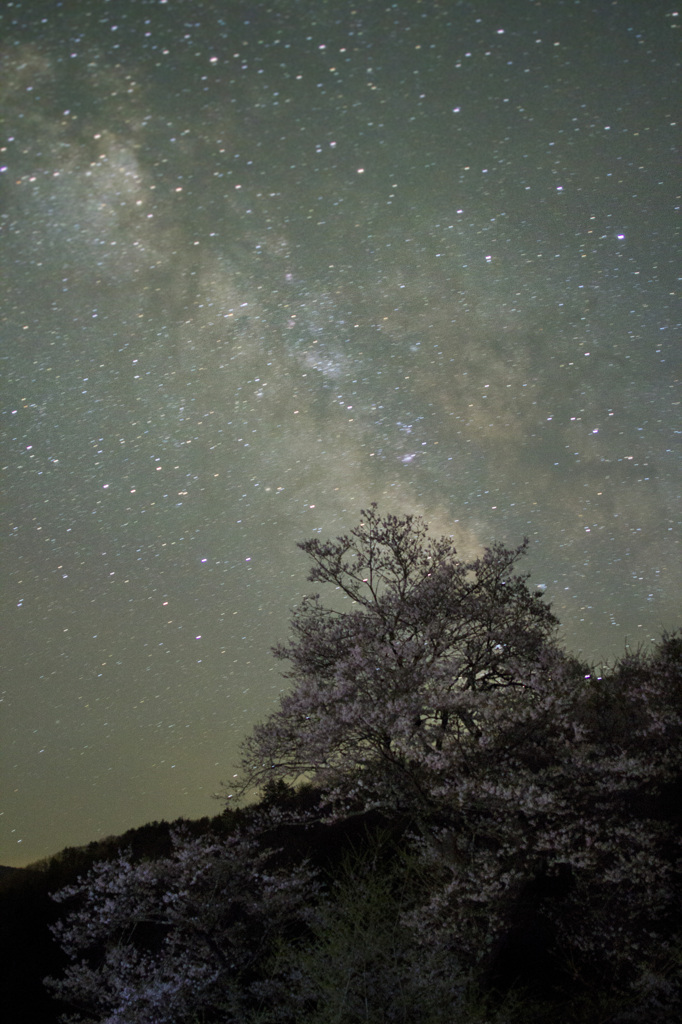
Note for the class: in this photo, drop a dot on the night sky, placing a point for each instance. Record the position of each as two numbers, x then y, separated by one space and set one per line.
265 263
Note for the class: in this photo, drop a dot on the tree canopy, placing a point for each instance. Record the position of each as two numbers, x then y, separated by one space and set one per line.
390 690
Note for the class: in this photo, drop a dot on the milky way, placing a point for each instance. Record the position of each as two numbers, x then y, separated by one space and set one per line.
263 264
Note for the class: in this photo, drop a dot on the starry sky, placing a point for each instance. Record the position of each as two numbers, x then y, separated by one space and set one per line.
262 264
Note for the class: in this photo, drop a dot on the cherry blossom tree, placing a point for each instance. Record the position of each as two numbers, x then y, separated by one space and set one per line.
388 692
532 780
179 938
